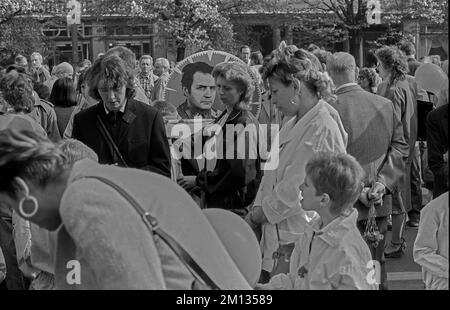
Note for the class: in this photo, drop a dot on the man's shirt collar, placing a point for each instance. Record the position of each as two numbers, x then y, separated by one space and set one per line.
122 109
345 85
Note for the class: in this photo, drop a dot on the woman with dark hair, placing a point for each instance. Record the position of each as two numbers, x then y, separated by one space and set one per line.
17 90
297 84
22 245
118 228
256 58
230 178
84 100
64 98
393 67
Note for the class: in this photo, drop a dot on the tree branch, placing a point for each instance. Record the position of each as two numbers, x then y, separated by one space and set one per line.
332 6
11 16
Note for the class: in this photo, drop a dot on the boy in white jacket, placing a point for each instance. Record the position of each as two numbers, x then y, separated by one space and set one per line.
332 253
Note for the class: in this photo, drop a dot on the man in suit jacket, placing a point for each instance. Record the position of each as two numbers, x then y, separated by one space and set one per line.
375 139
136 128
437 139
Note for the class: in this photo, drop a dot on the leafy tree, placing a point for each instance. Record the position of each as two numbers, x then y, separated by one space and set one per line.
20 28
189 22
21 36
431 11
12 8
392 38
352 15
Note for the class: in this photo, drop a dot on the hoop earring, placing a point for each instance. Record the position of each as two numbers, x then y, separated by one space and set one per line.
27 197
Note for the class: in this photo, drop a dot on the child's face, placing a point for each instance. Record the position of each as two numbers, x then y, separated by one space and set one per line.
310 200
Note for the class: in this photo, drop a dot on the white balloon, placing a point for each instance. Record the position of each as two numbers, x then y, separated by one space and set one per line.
431 78
239 240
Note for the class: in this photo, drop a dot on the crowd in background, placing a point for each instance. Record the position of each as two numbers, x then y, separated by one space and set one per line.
356 147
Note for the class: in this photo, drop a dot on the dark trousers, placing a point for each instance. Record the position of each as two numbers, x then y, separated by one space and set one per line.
14 277
378 252
416 186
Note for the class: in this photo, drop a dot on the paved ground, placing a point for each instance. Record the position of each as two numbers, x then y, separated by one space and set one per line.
404 273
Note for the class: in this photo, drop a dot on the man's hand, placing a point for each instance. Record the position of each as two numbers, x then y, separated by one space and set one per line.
376 193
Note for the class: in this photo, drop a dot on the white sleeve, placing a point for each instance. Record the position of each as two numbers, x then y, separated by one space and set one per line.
426 245
2 266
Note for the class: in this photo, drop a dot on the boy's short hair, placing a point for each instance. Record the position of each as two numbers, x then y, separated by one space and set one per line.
338 175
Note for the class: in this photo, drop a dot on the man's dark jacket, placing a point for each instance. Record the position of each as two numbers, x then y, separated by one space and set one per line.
437 142
141 138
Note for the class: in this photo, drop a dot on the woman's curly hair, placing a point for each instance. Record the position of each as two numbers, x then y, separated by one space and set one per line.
114 73
370 74
238 74
17 90
285 65
393 59
28 155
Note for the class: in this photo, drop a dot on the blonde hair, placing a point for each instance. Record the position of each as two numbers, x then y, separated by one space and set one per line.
238 74
285 65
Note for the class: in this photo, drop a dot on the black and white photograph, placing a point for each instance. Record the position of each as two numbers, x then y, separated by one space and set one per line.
245 147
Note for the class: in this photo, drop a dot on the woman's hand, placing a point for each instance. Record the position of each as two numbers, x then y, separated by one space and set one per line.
376 193
257 215
187 182
363 196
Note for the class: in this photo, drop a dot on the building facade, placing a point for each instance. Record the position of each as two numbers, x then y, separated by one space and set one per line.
97 34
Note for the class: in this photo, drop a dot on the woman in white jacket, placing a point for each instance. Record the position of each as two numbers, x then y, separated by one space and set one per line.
297 85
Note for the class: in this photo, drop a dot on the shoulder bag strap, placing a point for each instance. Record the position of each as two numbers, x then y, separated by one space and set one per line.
109 139
278 234
153 226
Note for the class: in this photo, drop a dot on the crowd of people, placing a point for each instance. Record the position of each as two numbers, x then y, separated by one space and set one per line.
88 176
